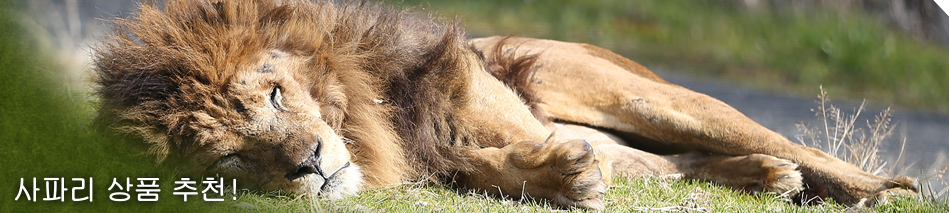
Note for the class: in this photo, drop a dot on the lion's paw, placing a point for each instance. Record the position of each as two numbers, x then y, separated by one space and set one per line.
751 173
880 193
584 183
894 187
782 176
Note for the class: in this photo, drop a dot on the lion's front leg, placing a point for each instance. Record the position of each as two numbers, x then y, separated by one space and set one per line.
569 173
751 173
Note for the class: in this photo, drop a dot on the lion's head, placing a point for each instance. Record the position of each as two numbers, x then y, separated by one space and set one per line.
264 91
270 128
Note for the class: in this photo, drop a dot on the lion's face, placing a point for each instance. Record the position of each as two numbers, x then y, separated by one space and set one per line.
262 91
275 136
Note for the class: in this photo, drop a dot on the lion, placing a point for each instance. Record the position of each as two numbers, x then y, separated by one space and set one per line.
327 99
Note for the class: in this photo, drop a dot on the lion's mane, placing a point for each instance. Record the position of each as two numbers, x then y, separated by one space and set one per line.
385 79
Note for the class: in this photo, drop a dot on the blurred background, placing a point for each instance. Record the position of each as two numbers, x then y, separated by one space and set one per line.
767 58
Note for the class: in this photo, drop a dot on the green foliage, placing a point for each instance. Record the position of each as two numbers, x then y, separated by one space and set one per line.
851 53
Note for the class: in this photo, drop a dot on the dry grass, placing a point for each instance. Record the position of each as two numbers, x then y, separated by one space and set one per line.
840 135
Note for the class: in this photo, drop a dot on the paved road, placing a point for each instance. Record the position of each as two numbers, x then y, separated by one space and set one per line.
926 148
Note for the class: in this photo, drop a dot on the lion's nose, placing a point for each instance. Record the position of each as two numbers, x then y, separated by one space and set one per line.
309 166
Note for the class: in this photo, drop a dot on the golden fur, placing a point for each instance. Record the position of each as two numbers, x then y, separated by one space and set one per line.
326 99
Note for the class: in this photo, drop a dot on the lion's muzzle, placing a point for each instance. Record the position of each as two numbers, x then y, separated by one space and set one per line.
310 165
322 173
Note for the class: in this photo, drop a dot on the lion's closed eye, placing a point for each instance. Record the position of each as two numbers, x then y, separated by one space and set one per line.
229 163
275 98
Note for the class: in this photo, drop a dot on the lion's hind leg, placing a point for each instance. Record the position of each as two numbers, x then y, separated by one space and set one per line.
584 84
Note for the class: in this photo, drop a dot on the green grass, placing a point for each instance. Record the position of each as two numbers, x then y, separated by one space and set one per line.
625 195
45 132
851 54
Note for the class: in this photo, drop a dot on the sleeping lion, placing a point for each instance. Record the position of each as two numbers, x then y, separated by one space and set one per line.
327 99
